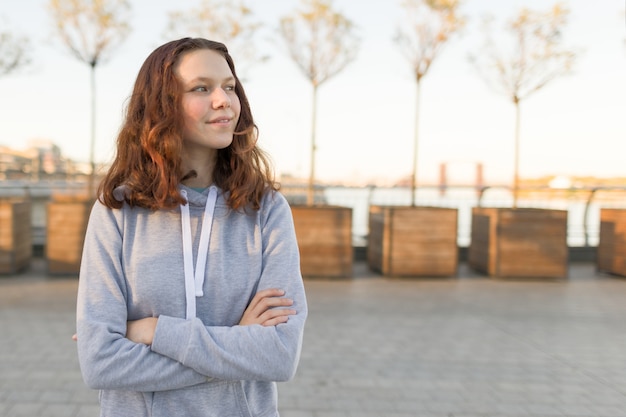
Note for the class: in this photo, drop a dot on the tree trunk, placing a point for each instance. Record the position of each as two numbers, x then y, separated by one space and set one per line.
311 188
92 144
516 153
415 145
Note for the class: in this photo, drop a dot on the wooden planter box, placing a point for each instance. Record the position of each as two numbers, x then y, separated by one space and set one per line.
66 225
519 243
413 241
324 235
611 252
16 245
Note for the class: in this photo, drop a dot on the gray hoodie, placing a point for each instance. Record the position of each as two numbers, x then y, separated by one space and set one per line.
207 365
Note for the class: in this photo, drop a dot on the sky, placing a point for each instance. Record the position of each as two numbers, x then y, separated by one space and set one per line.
575 126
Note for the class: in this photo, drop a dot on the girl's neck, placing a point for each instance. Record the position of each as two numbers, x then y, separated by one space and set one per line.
197 182
198 171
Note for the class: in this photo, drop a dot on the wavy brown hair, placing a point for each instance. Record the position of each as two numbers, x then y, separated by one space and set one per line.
149 145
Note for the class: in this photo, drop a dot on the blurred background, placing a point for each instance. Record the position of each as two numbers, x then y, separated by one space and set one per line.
369 149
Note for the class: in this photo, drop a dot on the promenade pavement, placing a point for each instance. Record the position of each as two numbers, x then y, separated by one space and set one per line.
467 346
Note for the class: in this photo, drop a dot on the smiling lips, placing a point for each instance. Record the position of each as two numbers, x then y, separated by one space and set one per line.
222 120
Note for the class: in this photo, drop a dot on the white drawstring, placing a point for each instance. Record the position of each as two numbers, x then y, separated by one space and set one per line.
194 279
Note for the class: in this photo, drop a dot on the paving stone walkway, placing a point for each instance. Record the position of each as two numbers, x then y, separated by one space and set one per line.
467 346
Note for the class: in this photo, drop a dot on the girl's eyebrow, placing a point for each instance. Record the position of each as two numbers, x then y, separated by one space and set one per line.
211 80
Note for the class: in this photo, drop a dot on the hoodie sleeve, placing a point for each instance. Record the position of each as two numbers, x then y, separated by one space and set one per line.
107 359
248 352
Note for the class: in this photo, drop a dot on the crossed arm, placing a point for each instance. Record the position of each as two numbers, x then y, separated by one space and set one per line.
267 308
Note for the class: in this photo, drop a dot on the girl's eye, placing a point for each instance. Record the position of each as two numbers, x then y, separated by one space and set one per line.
200 88
229 88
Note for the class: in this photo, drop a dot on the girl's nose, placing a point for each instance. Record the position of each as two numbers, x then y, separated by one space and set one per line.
220 99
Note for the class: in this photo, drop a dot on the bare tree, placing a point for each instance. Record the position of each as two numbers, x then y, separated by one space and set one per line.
13 53
228 21
428 26
535 57
91 29
322 42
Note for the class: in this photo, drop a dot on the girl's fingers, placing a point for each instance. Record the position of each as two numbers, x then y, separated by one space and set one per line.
265 295
275 321
269 303
275 314
265 307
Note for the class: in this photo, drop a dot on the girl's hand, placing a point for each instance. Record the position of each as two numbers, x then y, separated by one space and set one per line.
141 331
261 309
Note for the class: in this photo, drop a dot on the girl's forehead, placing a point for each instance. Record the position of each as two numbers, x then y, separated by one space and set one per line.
205 63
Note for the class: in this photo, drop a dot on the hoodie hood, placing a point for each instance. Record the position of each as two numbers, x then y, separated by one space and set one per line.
193 197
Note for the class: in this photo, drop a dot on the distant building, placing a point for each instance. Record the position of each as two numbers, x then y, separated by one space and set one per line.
41 160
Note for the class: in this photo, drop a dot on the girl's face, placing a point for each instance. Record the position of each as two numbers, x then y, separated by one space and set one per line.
210 106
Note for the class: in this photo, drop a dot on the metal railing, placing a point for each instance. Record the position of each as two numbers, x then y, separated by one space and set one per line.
583 203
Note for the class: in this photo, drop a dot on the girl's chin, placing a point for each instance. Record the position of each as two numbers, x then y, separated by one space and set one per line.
200 146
